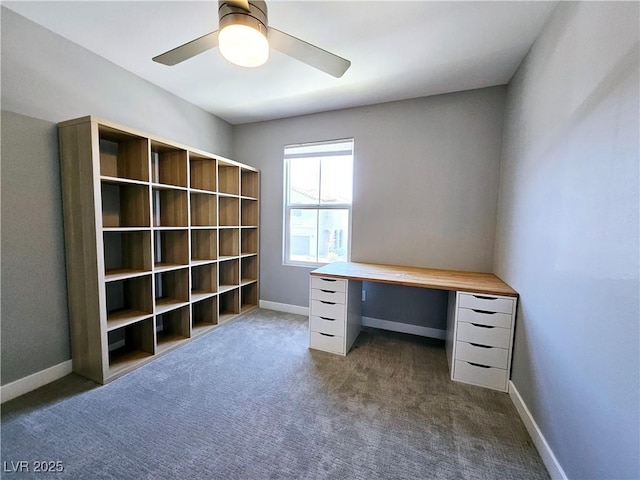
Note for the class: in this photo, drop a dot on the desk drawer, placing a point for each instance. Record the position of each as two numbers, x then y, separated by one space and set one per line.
489 356
326 342
491 336
336 311
488 303
328 296
483 376
333 284
326 325
483 317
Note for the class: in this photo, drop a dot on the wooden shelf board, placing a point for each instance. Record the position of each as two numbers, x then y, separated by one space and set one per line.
222 258
230 195
166 267
206 192
248 226
204 227
226 316
171 227
245 197
201 328
197 262
122 318
123 274
122 180
247 281
196 296
247 308
247 255
167 342
126 229
122 361
226 288
168 186
164 305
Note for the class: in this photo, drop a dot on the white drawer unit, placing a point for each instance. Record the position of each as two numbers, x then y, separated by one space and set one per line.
480 338
334 313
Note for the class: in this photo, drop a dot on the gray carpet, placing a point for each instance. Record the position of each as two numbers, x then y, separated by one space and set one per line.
251 401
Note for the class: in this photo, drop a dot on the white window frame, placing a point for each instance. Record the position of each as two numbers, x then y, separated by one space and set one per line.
307 206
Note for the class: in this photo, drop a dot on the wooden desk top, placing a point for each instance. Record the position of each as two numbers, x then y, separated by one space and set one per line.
418 277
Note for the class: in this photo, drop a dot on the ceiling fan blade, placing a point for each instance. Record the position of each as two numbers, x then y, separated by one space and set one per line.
188 50
307 53
244 4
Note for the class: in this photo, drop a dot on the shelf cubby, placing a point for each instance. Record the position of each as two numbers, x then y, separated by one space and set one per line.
229 212
228 178
229 245
248 297
168 165
171 290
249 213
123 155
204 210
129 346
172 328
171 248
204 315
248 269
228 305
128 301
204 245
249 183
204 281
229 274
170 208
249 241
204 172
124 205
126 253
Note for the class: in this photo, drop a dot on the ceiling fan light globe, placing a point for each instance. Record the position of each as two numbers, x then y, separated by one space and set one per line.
244 45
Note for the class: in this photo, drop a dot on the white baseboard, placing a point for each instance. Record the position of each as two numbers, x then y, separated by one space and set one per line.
548 458
36 380
404 328
284 307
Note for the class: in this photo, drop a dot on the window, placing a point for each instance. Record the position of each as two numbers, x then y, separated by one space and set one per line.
318 195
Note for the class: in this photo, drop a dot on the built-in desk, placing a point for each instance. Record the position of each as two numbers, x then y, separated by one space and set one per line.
480 317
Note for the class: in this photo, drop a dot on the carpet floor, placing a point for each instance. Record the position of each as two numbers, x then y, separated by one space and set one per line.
250 401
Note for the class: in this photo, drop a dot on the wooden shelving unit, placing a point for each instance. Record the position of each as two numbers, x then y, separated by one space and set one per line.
161 244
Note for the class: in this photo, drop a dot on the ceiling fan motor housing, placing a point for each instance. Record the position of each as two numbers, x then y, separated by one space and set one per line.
229 13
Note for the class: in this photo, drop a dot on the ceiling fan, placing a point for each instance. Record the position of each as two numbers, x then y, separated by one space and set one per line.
244 37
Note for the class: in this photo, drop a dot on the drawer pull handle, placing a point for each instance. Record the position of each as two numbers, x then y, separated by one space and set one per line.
484 312
328 291
329 319
328 303
478 365
328 279
482 297
326 334
480 346
481 326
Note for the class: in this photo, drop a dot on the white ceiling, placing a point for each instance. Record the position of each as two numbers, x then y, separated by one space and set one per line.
398 49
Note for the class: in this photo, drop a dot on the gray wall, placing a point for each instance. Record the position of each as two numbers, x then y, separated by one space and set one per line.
567 235
425 189
47 79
